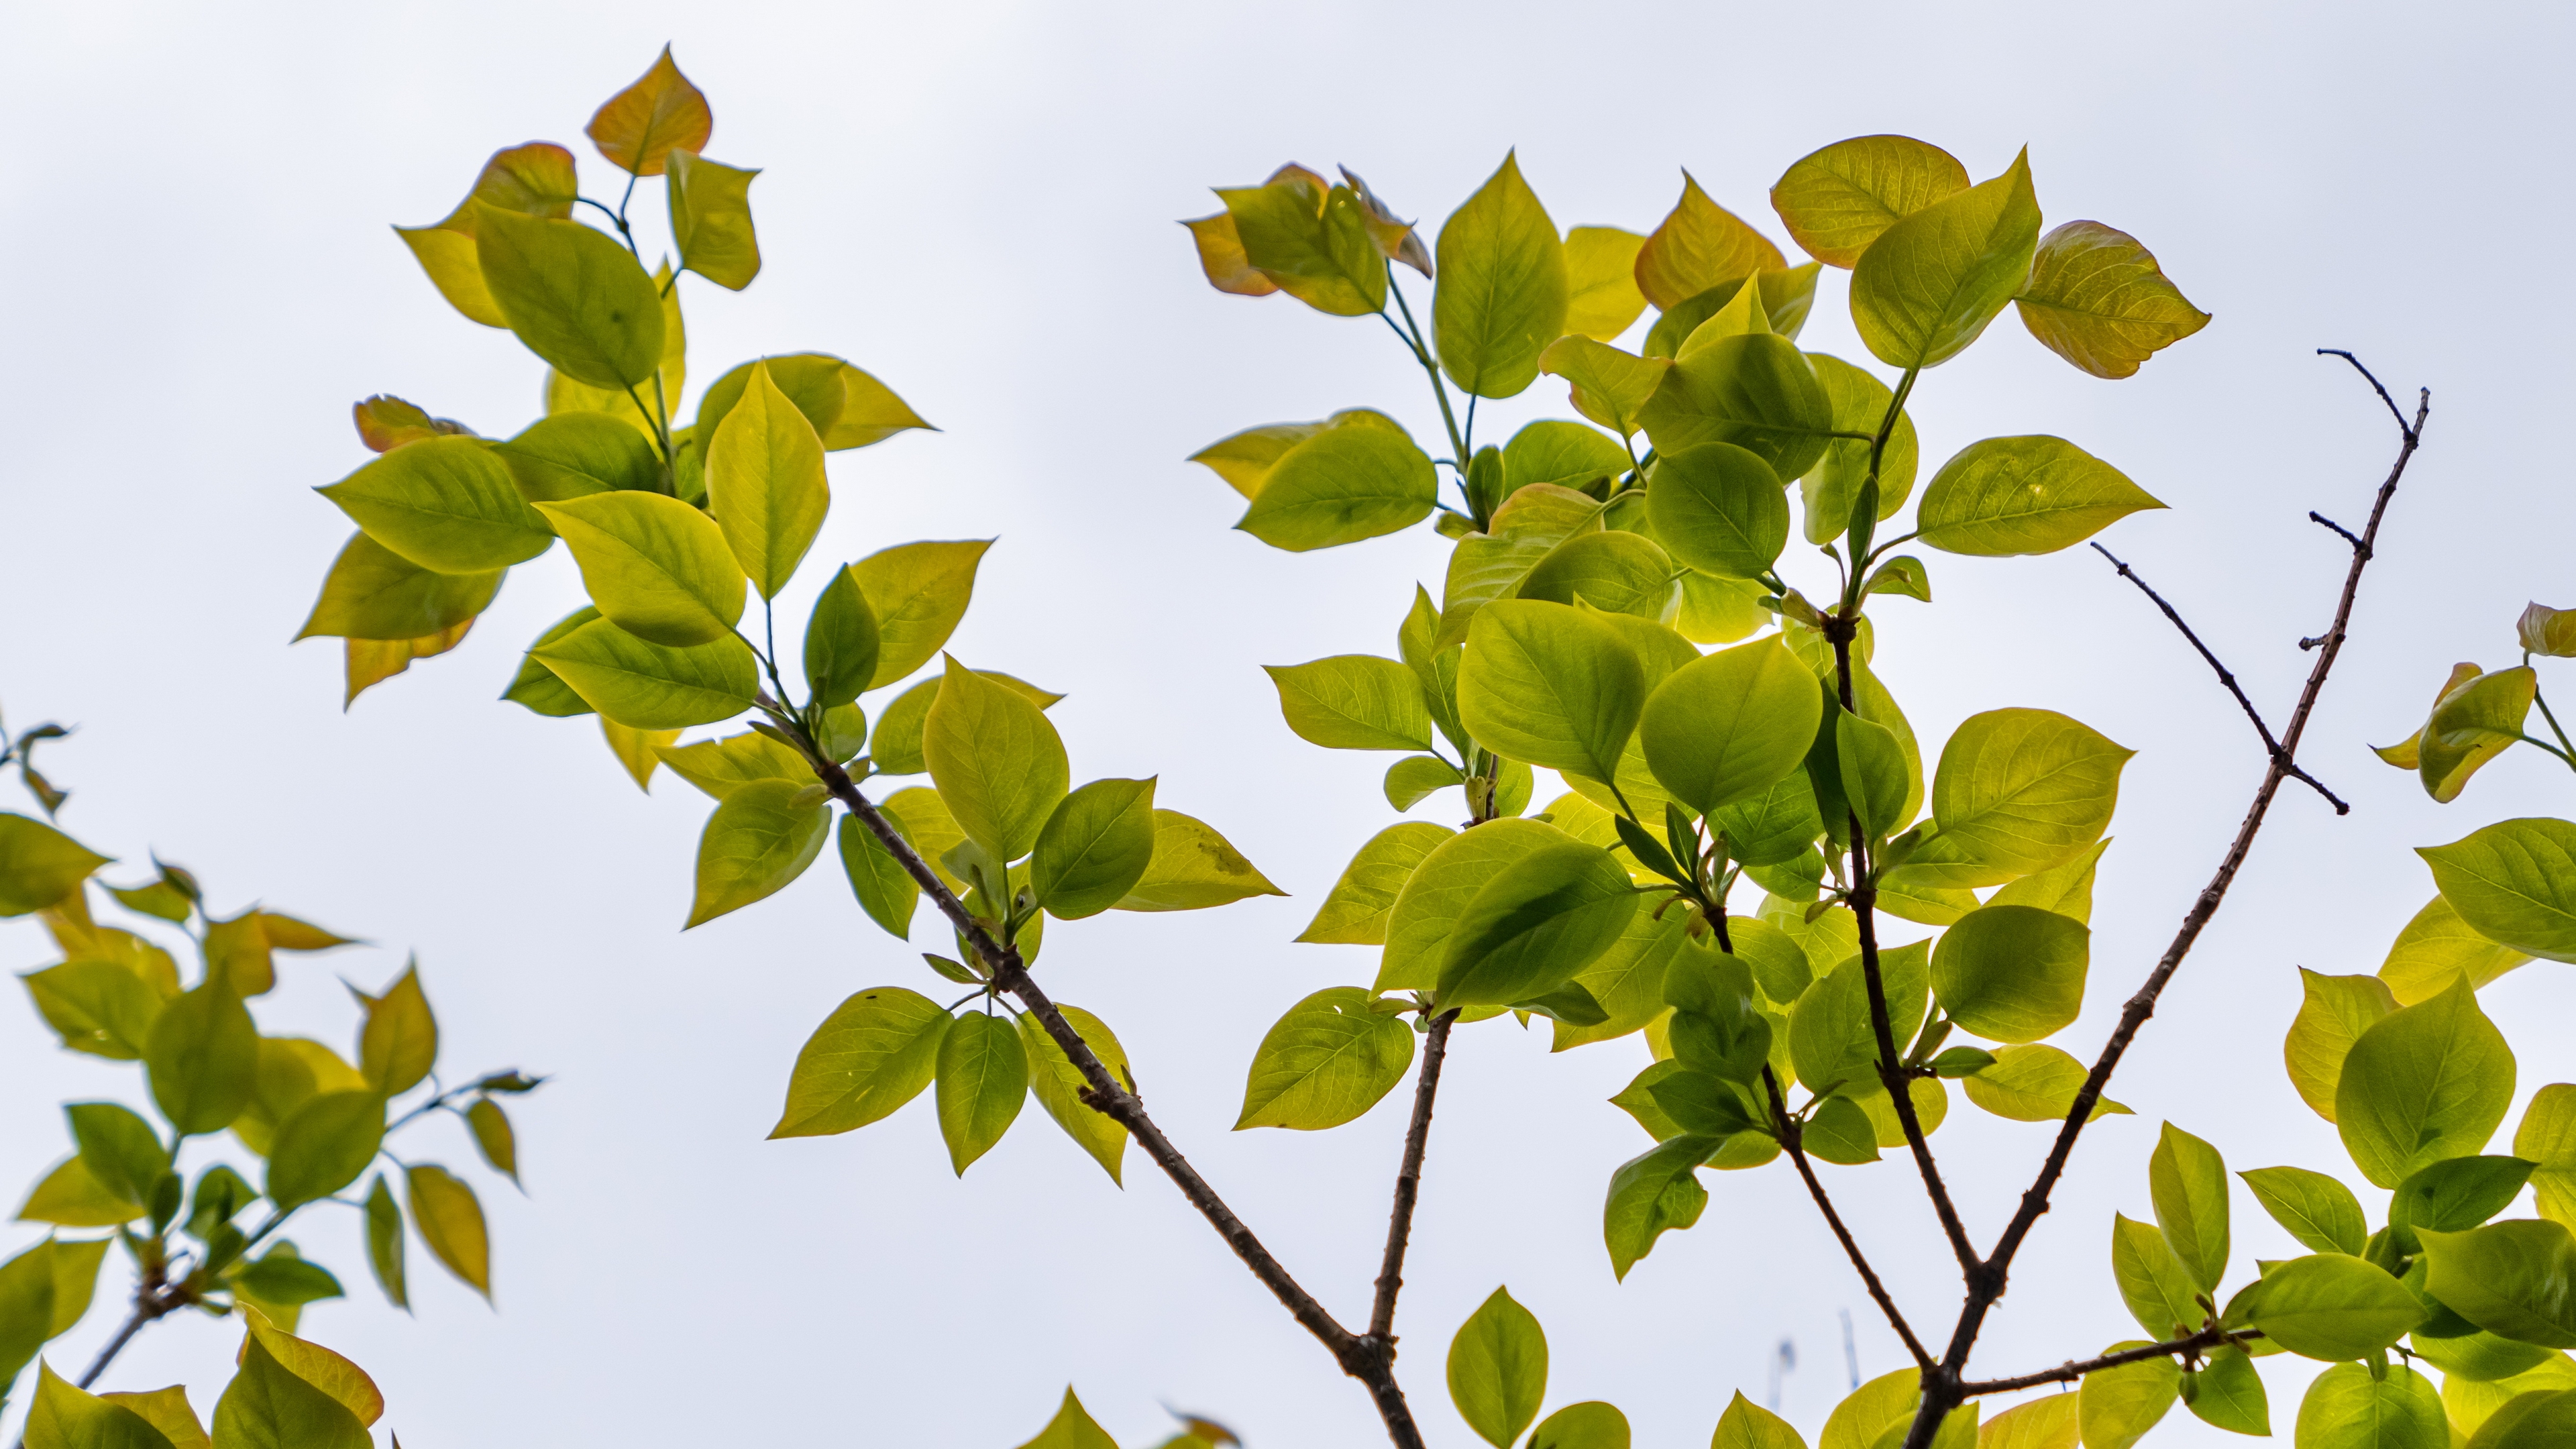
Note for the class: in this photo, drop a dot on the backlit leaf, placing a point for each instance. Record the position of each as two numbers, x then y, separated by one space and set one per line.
2548 1136
2189 1181
1355 912
574 295
1551 686
711 218
2033 1084
1094 848
646 686
1193 868
446 505
1859 404
1340 486
2516 1278
2012 973
983 1081
1699 245
1719 508
2115 1407
2007 496
1534 924
1609 386
2317 1210
2423 1083
2017 791
1501 297
765 485
1753 390
2332 1307
1311 240
2097 298
875 1052
2154 1283
638 127
1728 727
998 763
918 592
450 1221
657 568
761 837
1059 1084
374 593
1498 1369
1838 200
2514 882
2334 1013
1325 1063
2349 1407
399 1043
201 1057
1929 284
1353 702
1602 299
40 865
323 1146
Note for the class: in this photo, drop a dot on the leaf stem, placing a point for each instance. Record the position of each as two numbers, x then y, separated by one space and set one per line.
1411 332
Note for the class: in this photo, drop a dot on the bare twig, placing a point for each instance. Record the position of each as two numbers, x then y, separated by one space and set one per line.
1118 1101
2271 746
1790 1139
1408 1183
2346 534
2069 1372
1944 1388
2414 432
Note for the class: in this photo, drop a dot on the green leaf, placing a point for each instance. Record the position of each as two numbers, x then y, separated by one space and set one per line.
1569 455
26 1307
983 1080
1340 486
1925 288
2154 1282
760 838
765 484
1830 1035
1438 886
1783 296
2548 1136
1756 391
1607 385
1876 781
63 1417
1830 488
2189 1181
1059 1084
1616 572
1498 1369
1700 245
539 688
1355 912
1841 1132
446 504
200 1059
1719 509
2033 1084
1310 240
2043 1423
841 643
1550 686
2435 948
373 592
648 686
269 1405
1353 702
998 763
573 295
2227 1393
1325 1063
1838 200
1727 728
2006 496
70 1197
2318 1211
1416 778
1502 292
2117 1406
1627 981
2017 791
122 1151
885 890
656 567
1094 848
2350 1406
575 454
2335 1012
75 1270
1534 924
1071 1428
2097 298
2454 1195
1875 1409
2423 1083
2066 889
918 592
2481 1357
875 1052
385 1243
2333 1307
399 1043
1651 1193
896 748
2516 1278
720 767
1193 869
2514 882
2012 973
323 1146
711 219
450 1221
1602 299
283 1278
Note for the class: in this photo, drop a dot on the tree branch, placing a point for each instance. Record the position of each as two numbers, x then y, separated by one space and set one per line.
1790 1139
1408 1183
1118 1101
2070 1371
2271 746
1943 1390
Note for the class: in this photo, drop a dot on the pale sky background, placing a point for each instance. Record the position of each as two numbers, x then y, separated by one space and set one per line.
976 202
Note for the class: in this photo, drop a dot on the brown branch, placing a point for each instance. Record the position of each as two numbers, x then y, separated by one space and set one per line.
1117 1101
1790 1139
1408 1183
2070 1371
1891 1074
1943 1389
2271 746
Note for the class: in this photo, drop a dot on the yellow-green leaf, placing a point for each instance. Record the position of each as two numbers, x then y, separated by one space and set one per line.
450 1221
918 592
996 760
875 1052
1502 290
2033 1084
1325 1063
2098 299
1698 246
1353 702
656 567
761 837
637 750
399 1043
2017 791
1838 200
2436 948
71 1196
1311 240
2472 723
1498 1369
983 1080
1340 486
1858 403
578 453
1059 1084
2007 496
1193 868
323 1146
201 1057
1755 390
1094 848
374 593
2514 882
720 767
573 295
40 865
1602 299
1609 386
537 179
63 1417
493 1136
1071 1428
1929 284
1355 911
765 485
639 127
2334 1013
2423 1083
2012 973
1550 685
447 505
649 687
711 219
1435 893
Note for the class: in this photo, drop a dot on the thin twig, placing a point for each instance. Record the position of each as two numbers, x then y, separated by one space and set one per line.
1790 1139
1408 1183
2412 433
2069 1372
2347 534
2271 746
1943 1388
1118 1101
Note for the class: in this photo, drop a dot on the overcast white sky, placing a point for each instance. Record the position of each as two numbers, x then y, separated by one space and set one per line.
975 201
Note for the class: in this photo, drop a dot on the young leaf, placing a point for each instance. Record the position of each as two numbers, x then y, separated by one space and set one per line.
1193 869
450 1220
720 767
998 763
639 127
656 567
918 593
2225 1391
875 1052
2547 1136
2318 1211
446 505
2051 1422
983 1080
374 593
2012 973
323 1146
70 1197
1549 685
2421 1084
2098 299
2514 882
1697 246
1071 1428
1928 285
2189 1181
493 1136
2117 1406
759 840
841 642
1756 391
2510 1278
200 1059
1353 702
1356 911
1094 848
63 1417
765 484
1326 1062
2435 948
1498 1369
399 1043
1534 924
1310 240
2153 1280
1836 201
2331 1307
2017 791
122 1151
1059 1084
1607 385
886 891
642 685
575 454
1416 778
711 219
1341 486
2350 1407
2007 496
1602 298
1502 290
385 1243
573 295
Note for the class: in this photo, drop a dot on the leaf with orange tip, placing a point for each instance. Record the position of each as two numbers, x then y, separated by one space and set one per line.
1396 240
536 179
641 125
373 661
386 422
1221 257
1699 246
